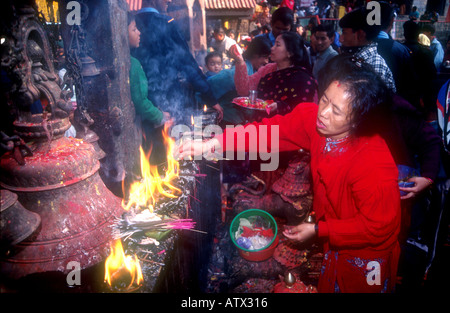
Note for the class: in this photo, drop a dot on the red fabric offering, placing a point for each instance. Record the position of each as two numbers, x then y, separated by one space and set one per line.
248 232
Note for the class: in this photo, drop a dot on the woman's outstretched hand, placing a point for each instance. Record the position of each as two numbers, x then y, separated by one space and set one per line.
300 233
189 149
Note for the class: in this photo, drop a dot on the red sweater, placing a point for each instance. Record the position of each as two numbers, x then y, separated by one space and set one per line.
356 195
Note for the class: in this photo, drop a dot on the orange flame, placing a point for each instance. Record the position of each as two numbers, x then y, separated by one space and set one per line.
205 108
118 263
144 192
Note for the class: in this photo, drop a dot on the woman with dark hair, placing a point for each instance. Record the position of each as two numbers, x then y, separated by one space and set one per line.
222 84
356 195
287 80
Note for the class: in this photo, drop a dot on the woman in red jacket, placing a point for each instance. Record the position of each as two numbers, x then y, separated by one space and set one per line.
356 194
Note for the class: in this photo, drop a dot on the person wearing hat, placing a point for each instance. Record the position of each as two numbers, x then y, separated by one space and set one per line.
358 39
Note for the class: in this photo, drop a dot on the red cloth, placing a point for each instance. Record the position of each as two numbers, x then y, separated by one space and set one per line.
356 200
287 3
248 232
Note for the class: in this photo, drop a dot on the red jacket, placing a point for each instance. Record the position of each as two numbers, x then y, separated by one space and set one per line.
356 201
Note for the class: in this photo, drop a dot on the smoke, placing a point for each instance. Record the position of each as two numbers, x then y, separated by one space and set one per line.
174 76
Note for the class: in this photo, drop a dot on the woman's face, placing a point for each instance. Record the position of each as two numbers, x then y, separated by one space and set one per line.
278 52
134 35
333 117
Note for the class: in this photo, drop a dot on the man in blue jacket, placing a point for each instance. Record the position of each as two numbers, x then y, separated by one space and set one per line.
397 57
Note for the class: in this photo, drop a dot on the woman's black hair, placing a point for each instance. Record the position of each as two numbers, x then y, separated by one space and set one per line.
369 96
259 46
131 16
296 47
284 15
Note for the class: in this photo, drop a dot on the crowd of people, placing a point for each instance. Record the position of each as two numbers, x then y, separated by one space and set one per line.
363 106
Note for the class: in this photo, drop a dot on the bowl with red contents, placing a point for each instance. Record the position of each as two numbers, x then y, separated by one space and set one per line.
254 233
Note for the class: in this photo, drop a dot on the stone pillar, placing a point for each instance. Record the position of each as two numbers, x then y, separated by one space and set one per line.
107 94
197 25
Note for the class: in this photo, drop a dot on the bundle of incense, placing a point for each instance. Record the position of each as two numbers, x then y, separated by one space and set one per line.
126 227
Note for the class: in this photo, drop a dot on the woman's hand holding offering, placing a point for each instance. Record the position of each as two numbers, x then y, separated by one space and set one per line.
421 183
300 233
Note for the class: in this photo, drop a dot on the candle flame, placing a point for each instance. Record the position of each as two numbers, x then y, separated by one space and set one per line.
118 264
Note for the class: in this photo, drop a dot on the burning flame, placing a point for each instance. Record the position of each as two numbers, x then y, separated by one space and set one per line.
143 195
118 264
205 108
144 192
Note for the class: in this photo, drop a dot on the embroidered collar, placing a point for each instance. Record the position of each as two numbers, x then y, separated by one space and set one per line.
335 145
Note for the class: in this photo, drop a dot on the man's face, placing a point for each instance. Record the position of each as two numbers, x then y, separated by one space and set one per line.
219 36
161 5
428 34
278 27
322 41
349 38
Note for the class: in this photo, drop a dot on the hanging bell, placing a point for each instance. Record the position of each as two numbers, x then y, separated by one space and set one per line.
60 183
16 222
88 67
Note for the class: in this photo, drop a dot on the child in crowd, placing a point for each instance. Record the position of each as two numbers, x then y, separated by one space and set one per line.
138 83
148 116
213 63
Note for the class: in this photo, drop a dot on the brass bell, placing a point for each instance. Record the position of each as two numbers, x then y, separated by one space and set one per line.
88 67
61 184
16 222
